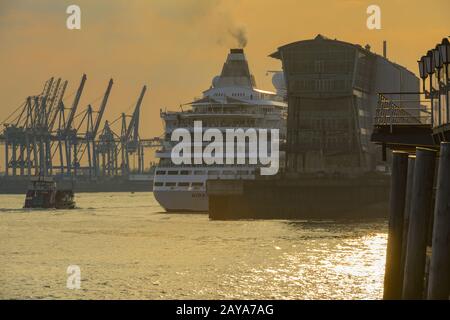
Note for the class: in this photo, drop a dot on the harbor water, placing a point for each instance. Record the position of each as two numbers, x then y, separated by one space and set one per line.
127 248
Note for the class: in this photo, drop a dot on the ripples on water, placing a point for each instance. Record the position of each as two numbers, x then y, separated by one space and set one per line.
128 248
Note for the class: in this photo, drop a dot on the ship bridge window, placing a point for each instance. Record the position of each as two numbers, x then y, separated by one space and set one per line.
183 184
213 172
173 173
185 173
160 173
197 184
170 184
159 184
199 173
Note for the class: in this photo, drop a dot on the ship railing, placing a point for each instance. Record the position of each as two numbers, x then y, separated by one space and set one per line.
224 111
202 167
402 108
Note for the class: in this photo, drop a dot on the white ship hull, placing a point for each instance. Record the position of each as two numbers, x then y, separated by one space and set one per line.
181 189
182 200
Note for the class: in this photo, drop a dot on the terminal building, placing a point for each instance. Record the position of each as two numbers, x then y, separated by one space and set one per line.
333 91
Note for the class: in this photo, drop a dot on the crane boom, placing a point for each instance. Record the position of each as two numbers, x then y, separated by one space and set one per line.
102 109
134 123
75 103
47 87
52 97
58 104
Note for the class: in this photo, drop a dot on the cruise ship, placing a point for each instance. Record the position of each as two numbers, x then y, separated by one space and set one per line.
232 101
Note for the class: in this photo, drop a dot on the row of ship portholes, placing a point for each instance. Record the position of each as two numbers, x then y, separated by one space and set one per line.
180 184
240 94
201 172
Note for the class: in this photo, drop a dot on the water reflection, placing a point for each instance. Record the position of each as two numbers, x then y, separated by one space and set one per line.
127 249
321 260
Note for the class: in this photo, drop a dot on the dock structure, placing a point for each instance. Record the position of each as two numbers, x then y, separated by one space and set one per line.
418 254
332 170
308 197
50 135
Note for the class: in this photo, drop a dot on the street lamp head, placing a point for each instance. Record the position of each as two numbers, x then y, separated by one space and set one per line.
437 58
444 49
422 68
429 65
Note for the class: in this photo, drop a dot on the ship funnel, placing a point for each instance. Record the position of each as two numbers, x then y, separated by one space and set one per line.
237 51
235 71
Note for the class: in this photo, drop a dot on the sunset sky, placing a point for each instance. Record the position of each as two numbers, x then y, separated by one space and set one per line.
177 46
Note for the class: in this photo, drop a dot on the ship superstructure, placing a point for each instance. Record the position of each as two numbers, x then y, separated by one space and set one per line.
233 101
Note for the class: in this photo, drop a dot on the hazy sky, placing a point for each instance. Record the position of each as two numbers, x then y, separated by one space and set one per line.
177 46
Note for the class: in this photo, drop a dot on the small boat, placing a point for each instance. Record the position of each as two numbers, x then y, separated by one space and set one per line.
65 199
43 194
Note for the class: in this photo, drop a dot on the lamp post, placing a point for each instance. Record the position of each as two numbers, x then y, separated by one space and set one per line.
429 70
444 50
423 75
422 71
437 59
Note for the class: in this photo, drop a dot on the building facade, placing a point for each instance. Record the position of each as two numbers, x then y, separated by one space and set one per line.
332 90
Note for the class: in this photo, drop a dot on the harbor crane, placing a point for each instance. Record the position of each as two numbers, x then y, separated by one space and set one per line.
44 137
130 141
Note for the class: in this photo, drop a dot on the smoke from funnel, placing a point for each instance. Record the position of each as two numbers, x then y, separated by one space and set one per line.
240 35
208 15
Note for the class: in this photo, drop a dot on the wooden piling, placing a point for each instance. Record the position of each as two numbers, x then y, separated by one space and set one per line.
393 271
408 199
439 280
6 157
413 282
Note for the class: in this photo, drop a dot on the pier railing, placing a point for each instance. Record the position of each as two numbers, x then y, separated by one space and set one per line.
402 108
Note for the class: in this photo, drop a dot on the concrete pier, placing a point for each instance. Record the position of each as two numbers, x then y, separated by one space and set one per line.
421 206
308 197
393 274
439 280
